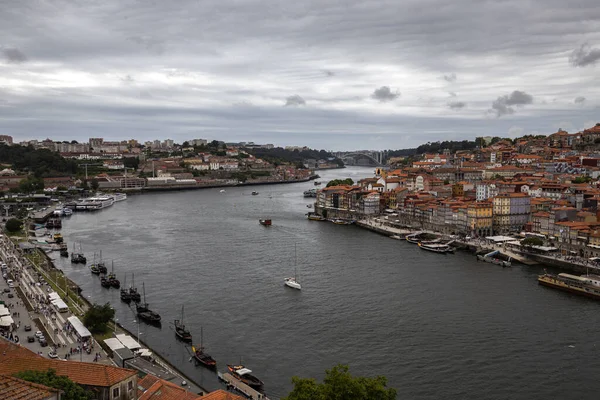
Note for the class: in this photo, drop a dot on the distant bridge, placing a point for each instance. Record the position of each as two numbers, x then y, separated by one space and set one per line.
366 158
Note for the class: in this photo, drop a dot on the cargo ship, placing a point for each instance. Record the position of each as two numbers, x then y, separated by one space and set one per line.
585 285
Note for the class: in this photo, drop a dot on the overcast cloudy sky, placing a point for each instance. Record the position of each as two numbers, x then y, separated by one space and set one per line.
333 74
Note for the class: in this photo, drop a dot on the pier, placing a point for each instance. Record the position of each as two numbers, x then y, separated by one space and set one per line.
241 387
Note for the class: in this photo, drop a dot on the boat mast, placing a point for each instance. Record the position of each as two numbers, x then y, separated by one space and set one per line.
144 291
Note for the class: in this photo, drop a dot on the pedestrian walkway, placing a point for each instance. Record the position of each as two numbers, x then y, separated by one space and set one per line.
25 276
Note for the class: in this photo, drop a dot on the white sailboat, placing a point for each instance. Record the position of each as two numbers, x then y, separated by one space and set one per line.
293 282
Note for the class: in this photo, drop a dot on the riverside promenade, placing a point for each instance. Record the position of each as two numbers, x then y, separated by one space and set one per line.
29 308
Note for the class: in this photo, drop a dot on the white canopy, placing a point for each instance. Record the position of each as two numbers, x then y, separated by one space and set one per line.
4 311
128 341
114 344
81 330
53 296
59 303
6 321
243 371
500 238
144 353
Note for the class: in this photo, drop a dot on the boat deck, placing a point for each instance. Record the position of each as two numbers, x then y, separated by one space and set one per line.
241 387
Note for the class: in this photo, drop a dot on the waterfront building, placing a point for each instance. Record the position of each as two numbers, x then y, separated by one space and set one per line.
480 218
511 212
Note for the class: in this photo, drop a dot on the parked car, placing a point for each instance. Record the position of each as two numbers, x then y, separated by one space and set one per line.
10 295
52 354
27 328
39 334
30 339
6 290
43 343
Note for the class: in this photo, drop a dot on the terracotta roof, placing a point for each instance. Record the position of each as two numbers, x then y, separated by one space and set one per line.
83 373
14 350
17 389
221 395
155 388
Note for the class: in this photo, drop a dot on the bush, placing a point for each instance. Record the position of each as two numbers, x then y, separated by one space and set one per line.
13 225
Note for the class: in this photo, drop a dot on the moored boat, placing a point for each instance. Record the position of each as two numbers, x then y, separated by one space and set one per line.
585 285
254 193
124 293
265 222
310 193
144 313
133 292
314 217
244 375
180 330
202 357
104 282
64 252
436 247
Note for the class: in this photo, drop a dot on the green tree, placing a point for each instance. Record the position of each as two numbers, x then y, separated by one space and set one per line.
532 241
336 182
131 162
13 225
97 317
71 390
339 384
31 184
94 184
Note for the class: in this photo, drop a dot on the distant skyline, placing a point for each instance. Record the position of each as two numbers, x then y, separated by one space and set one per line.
335 75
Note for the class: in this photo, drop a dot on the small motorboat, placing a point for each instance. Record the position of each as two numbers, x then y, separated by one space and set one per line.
64 253
309 206
244 375
265 222
254 193
222 191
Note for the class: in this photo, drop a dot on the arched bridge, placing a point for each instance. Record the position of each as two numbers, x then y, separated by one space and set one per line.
367 158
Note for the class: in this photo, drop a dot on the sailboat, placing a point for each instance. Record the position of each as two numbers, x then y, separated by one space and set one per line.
202 357
125 295
180 330
293 282
101 266
144 313
133 292
112 278
244 375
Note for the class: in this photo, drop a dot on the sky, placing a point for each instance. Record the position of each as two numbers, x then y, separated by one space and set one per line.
328 74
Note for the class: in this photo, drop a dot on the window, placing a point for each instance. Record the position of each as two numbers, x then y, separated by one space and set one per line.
115 393
130 385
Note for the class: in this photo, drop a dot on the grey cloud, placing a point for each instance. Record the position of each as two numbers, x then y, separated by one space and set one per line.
452 94
502 105
457 105
584 55
127 79
148 43
328 73
294 100
450 77
579 100
384 94
14 55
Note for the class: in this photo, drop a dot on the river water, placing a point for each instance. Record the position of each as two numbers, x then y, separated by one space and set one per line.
436 326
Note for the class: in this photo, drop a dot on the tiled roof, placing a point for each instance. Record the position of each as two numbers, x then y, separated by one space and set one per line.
17 389
153 388
14 350
83 373
221 395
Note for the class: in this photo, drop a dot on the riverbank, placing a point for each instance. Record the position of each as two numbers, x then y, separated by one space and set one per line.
572 264
26 269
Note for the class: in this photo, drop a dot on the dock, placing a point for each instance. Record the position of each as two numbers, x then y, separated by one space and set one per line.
241 387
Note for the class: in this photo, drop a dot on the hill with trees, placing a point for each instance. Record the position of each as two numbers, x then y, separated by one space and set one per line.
41 162
279 155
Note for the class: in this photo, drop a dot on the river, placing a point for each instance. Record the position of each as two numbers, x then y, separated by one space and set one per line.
437 326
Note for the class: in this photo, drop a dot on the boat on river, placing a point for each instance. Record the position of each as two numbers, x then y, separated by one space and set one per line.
310 193
144 313
584 285
133 292
78 257
254 193
119 196
180 330
201 356
95 203
441 248
265 222
244 375
293 281
124 293
340 221
112 278
314 217
493 257
105 282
